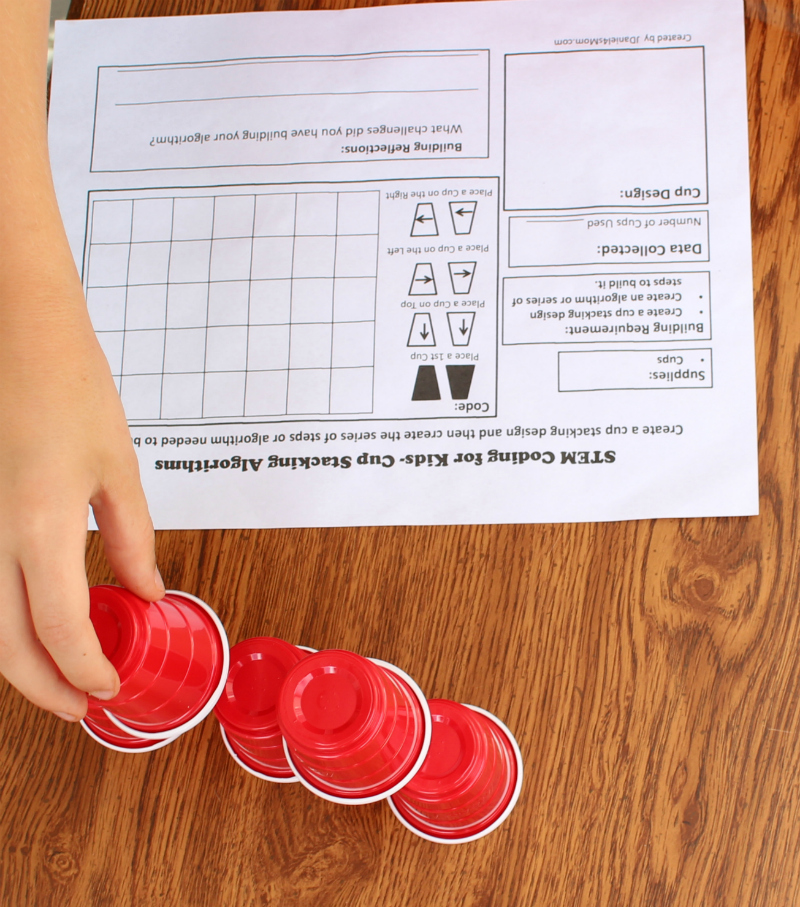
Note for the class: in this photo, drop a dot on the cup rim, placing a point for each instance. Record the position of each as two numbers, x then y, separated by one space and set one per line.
426 743
242 764
155 745
213 699
506 812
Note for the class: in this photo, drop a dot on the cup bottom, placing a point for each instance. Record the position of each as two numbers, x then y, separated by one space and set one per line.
491 822
194 720
360 799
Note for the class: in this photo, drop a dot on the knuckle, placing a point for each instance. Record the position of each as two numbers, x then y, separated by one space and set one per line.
59 633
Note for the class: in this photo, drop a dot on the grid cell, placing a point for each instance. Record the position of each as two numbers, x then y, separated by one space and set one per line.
223 394
266 393
351 390
111 222
228 302
107 308
146 307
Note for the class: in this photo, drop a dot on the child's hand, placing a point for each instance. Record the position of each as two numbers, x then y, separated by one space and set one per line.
64 444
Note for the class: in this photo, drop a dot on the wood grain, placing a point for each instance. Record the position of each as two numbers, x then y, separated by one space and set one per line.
649 669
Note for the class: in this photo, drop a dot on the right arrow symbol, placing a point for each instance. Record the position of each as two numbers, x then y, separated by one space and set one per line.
423 282
461 274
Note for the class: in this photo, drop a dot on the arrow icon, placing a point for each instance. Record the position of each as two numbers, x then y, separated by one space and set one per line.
424 223
460 324
461 274
423 282
462 214
421 327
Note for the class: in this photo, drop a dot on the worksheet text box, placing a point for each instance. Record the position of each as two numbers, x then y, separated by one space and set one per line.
596 308
609 239
594 128
291 110
605 370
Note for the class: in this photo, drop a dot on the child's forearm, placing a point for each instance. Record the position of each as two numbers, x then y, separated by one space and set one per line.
31 233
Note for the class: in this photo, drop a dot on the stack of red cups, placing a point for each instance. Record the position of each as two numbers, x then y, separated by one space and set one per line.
350 729
246 711
357 730
172 660
470 781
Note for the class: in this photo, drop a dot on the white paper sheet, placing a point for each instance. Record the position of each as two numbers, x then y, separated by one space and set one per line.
448 263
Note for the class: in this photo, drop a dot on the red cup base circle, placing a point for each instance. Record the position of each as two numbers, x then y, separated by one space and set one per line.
492 823
201 714
114 739
382 795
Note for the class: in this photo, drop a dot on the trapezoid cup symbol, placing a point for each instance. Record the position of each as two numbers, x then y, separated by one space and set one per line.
426 387
461 275
423 282
460 324
463 215
424 223
459 377
421 333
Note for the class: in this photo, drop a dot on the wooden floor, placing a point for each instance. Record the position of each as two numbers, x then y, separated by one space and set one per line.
651 671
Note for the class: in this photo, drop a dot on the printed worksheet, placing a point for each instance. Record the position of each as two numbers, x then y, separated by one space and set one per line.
450 263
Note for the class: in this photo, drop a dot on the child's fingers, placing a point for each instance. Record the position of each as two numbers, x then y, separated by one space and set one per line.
58 596
23 659
124 522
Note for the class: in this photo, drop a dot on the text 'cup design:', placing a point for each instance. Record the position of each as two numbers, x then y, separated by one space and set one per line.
247 708
354 730
171 657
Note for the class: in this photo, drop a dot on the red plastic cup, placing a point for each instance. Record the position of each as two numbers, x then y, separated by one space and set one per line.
355 730
469 782
101 729
171 657
247 708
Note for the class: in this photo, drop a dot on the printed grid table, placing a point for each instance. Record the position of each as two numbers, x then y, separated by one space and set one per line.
214 306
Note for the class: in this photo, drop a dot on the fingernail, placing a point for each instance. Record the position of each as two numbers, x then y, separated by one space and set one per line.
103 694
66 717
159 580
